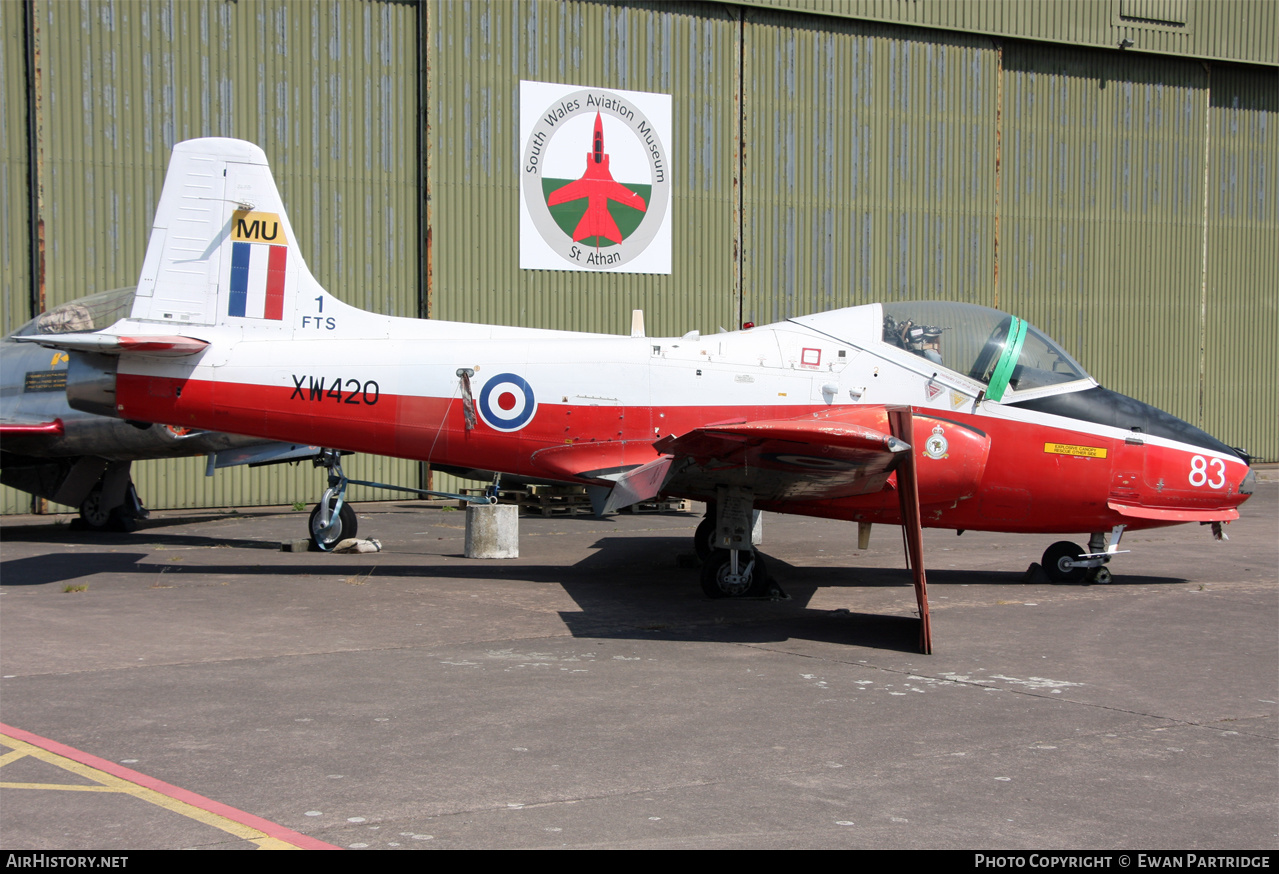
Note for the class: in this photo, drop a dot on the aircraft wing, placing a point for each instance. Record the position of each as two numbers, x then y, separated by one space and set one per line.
813 457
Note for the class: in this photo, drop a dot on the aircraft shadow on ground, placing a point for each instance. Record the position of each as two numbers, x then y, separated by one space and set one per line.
44 570
622 604
628 588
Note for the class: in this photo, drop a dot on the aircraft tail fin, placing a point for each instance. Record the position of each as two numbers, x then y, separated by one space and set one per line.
222 250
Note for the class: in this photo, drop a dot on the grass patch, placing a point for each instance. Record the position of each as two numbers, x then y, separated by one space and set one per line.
358 580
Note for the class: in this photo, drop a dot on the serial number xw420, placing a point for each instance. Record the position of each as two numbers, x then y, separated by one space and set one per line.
337 390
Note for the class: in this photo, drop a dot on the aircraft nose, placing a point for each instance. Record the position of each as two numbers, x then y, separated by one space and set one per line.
1106 407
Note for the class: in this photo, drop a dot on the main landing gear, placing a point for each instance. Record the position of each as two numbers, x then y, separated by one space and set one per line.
735 573
100 513
704 537
1068 563
112 503
731 568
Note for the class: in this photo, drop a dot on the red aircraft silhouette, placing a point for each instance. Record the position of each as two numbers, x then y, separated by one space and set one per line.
598 187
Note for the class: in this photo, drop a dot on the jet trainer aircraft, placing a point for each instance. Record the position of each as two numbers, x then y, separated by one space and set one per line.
930 414
70 457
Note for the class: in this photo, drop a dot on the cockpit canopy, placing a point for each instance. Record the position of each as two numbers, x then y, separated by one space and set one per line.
92 313
994 348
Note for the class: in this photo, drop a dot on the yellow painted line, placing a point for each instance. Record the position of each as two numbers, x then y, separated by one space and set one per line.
9 757
59 787
112 778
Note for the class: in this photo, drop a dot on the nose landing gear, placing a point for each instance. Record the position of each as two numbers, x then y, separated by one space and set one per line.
1067 563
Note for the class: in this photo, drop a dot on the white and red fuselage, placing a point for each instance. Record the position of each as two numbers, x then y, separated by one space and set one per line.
230 332
572 407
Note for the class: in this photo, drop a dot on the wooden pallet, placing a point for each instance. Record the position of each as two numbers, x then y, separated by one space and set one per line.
674 505
556 501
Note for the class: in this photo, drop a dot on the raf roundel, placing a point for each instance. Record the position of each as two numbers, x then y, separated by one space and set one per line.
507 402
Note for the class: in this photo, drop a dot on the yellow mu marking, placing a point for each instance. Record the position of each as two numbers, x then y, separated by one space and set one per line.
257 227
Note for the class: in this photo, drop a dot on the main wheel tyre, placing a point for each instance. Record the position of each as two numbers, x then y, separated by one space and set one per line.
718 581
345 525
98 517
1055 562
93 513
704 538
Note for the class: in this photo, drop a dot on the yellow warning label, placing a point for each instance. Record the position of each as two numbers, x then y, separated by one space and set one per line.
257 227
1069 449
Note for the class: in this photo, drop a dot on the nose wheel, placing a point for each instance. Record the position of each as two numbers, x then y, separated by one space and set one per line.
1069 563
341 524
332 521
1059 563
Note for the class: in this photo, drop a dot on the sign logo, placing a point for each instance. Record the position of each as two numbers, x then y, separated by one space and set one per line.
507 402
595 179
936 444
259 257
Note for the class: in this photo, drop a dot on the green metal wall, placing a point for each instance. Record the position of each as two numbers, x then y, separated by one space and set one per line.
328 90
1238 30
15 207
1103 195
479 53
1068 186
869 151
1137 218
15 194
1124 202
1241 277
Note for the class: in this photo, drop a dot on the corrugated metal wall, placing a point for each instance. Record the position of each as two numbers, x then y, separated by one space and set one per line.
1241 30
479 53
1102 243
15 259
1123 202
15 194
869 152
1241 283
329 91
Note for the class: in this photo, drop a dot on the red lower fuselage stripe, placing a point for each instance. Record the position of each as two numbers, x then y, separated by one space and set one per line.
1024 487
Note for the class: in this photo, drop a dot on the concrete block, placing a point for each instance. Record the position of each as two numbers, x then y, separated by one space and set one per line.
492 531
